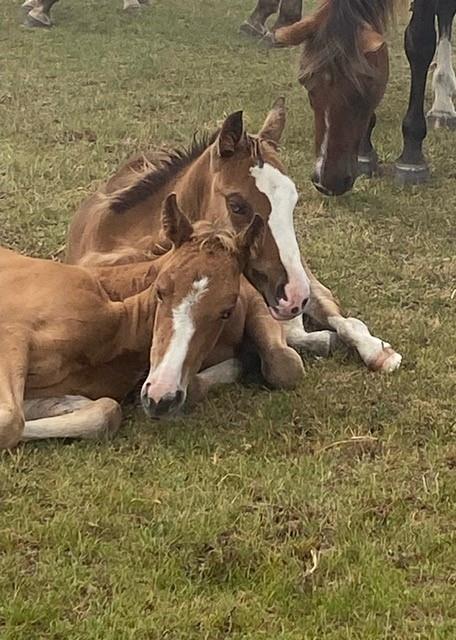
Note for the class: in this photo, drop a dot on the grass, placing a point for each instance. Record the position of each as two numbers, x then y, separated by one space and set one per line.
210 527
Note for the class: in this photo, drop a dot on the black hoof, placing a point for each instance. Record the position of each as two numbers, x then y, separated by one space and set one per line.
32 23
368 165
410 174
252 30
440 120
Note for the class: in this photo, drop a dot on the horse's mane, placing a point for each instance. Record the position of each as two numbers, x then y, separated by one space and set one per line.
334 45
154 177
214 236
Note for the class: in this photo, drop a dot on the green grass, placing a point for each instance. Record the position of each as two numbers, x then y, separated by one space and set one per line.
206 527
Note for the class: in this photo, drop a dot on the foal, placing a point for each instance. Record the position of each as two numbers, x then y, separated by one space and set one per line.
69 352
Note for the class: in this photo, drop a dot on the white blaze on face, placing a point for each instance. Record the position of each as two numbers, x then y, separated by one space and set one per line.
167 376
321 160
282 195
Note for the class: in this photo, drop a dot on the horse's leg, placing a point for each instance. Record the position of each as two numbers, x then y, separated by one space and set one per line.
290 11
39 14
420 40
13 371
442 113
129 5
322 307
367 156
70 417
225 372
255 23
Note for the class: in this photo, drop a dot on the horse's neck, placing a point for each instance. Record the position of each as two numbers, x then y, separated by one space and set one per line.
194 185
125 280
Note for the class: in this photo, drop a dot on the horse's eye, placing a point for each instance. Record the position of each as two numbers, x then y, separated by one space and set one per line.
226 314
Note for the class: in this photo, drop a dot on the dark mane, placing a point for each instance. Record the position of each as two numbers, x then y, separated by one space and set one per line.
171 164
334 46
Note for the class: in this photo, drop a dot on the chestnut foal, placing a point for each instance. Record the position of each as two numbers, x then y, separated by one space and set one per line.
69 352
234 175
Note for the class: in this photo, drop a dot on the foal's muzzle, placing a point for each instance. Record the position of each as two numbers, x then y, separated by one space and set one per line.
167 406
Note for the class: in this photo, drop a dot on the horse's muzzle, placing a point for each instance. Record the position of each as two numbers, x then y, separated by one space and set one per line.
166 407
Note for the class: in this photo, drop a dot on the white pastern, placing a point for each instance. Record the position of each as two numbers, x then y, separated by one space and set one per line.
444 81
167 376
282 195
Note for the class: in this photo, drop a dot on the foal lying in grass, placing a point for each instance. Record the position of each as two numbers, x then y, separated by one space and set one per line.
70 352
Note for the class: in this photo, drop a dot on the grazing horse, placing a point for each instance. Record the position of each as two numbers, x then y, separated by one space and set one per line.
233 175
420 45
344 67
38 12
70 351
289 11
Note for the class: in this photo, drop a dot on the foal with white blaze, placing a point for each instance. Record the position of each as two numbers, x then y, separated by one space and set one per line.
69 352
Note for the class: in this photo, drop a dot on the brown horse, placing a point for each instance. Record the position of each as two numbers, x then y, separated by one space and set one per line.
232 175
70 351
38 12
344 67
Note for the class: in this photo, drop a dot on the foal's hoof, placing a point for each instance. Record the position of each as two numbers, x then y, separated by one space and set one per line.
368 164
441 120
253 30
387 361
410 174
37 21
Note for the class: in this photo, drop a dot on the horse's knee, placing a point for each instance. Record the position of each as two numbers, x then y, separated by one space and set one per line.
283 368
11 427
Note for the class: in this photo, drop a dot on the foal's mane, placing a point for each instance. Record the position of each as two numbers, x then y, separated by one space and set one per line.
153 177
214 236
334 45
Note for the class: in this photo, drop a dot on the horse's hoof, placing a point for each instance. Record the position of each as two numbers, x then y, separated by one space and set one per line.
253 30
410 174
37 21
131 5
387 361
368 165
441 120
28 5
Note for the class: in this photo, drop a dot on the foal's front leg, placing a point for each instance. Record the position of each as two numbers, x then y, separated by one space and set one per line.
70 417
376 354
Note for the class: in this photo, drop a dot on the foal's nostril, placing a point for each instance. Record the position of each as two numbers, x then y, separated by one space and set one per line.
304 302
169 402
295 310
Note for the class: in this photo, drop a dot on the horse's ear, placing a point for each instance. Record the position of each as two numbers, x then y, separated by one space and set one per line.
175 224
231 135
370 40
250 240
274 124
294 34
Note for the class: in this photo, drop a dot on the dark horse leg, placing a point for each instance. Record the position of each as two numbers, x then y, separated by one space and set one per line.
367 156
255 23
38 13
290 11
420 41
442 113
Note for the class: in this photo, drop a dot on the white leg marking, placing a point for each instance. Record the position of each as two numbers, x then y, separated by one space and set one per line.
376 354
443 82
87 419
282 195
167 376
320 343
131 4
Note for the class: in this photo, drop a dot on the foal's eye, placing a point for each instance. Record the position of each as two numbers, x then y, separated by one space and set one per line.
226 314
238 205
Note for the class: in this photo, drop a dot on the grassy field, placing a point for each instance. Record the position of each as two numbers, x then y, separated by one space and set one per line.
249 518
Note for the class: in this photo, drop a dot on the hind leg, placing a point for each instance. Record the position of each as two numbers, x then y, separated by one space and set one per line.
376 354
255 23
367 156
290 11
70 417
442 113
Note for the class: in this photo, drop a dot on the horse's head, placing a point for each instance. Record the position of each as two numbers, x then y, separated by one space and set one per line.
249 179
344 67
196 292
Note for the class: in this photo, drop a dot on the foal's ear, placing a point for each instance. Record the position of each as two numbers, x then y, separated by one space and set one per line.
274 124
175 224
231 135
250 240
371 41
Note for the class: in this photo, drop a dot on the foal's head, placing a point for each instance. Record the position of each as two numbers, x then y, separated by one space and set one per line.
249 179
196 292
344 67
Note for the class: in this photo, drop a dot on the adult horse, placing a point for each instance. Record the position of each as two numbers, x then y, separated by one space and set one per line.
289 11
69 351
344 67
38 12
234 175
